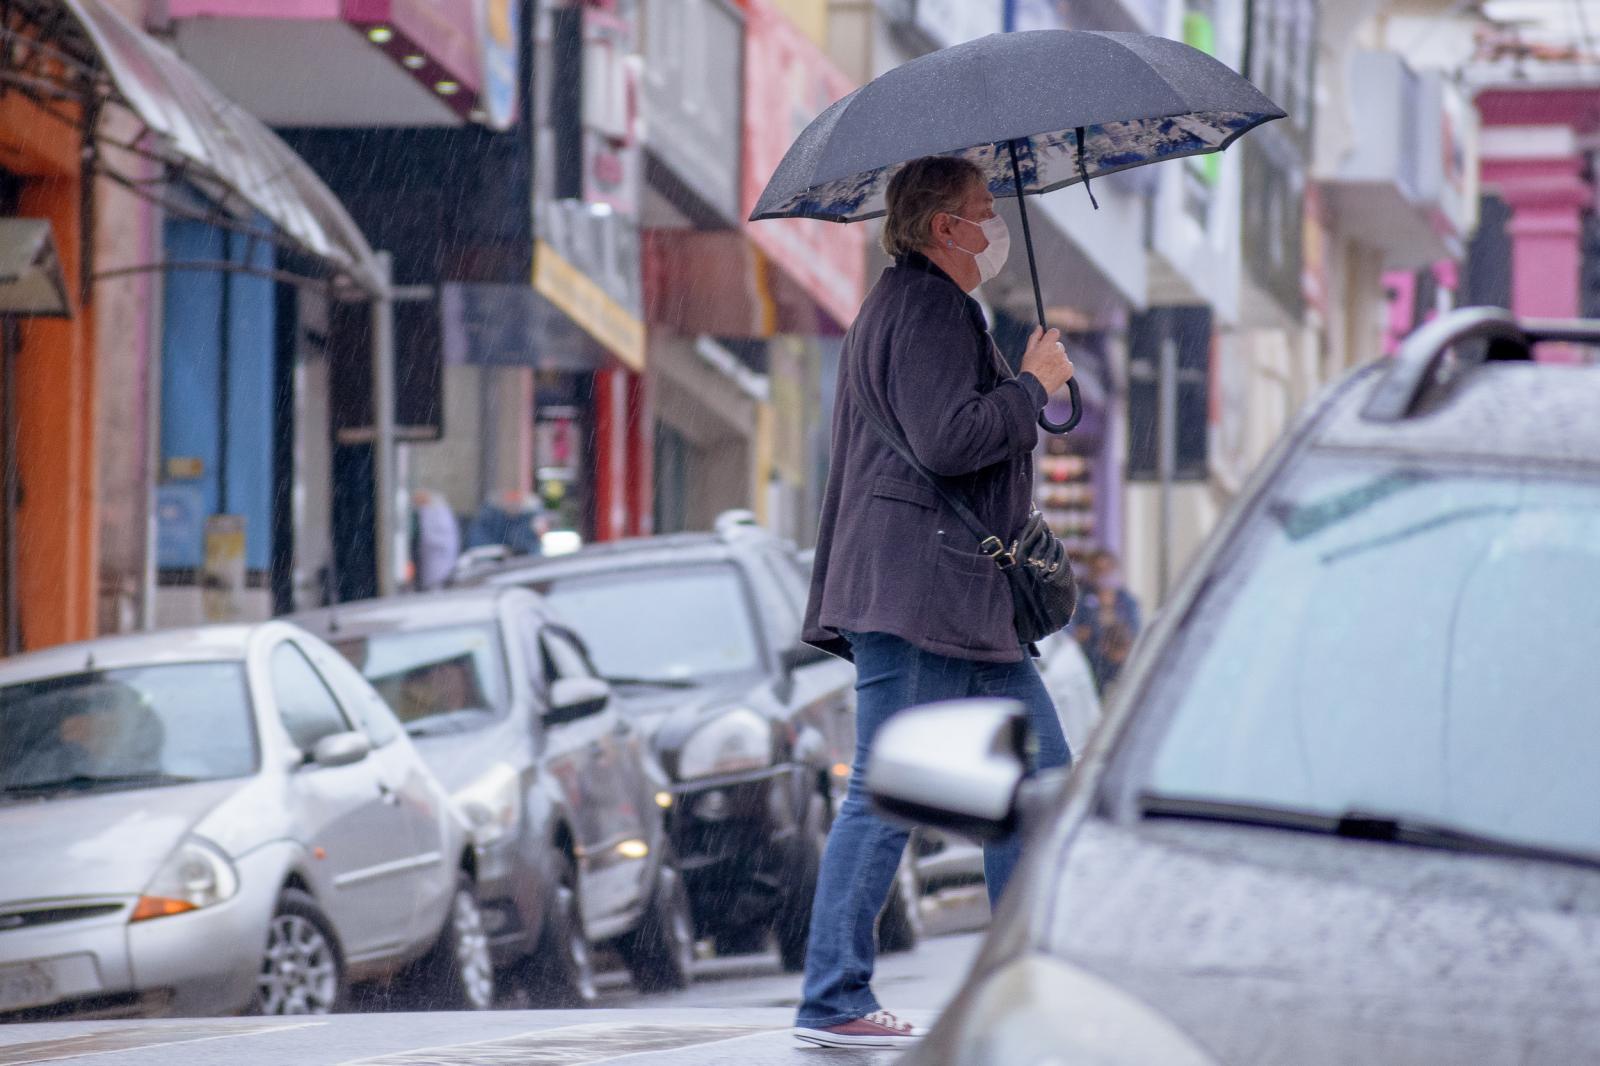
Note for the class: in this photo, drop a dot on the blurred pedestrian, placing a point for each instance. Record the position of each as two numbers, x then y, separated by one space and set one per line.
1108 619
438 539
898 585
515 520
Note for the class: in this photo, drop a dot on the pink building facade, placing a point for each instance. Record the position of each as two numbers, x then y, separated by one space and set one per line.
1536 159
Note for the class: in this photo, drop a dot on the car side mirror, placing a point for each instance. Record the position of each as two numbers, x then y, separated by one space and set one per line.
341 749
802 655
572 698
957 766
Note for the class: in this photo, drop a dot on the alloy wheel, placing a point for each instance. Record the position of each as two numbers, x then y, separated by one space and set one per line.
472 952
299 972
577 946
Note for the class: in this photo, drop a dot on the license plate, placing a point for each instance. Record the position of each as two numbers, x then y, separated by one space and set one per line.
30 984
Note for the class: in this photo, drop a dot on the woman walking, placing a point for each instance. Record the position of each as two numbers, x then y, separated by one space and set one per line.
899 584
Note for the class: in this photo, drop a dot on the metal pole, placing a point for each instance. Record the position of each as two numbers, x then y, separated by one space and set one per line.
1167 454
383 443
154 390
224 378
8 528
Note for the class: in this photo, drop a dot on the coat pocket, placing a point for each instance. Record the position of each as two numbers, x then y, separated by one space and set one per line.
892 488
968 603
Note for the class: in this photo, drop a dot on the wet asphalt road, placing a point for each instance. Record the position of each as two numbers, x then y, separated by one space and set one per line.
738 1011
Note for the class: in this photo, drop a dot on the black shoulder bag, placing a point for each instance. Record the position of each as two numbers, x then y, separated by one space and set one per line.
1044 593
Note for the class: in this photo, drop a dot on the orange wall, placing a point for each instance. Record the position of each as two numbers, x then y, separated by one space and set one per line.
56 523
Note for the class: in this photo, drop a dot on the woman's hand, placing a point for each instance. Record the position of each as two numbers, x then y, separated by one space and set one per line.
1046 359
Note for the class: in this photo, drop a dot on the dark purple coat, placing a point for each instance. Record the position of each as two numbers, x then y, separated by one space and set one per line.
891 556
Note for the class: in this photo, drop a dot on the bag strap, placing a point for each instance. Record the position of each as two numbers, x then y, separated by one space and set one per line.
988 544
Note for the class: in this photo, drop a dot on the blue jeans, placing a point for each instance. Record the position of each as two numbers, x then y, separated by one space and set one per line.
863 852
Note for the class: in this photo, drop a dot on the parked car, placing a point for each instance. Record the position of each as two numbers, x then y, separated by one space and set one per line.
563 794
1342 807
701 634
226 819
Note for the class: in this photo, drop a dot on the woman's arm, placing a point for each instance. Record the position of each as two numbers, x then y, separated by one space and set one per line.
936 368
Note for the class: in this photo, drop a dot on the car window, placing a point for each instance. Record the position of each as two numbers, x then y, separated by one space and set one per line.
360 700
449 677
1401 641
778 610
686 623
791 577
307 707
182 721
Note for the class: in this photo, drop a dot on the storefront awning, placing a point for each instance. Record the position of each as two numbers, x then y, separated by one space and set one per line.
206 139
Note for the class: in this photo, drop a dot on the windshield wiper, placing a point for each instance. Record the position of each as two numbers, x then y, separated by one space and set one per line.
650 682
88 782
1358 825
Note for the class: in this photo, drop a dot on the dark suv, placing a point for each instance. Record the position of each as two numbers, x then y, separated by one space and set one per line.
701 635
565 800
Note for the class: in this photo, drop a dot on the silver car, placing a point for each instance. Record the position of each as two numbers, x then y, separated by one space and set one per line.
222 819
1341 809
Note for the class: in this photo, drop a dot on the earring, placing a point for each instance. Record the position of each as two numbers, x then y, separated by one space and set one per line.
949 244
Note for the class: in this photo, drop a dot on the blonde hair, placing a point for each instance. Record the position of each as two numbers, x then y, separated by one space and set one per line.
918 191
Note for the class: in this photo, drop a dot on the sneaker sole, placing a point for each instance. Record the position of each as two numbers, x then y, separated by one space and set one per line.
822 1039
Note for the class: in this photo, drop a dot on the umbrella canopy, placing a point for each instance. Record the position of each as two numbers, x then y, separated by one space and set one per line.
1075 104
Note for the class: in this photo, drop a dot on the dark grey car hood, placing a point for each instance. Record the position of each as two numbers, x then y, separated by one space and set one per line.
1270 946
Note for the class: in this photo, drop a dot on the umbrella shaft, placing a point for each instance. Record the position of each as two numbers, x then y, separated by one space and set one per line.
1027 233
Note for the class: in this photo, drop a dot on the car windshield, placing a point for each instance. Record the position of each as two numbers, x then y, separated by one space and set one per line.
128 728
684 623
431 677
1411 642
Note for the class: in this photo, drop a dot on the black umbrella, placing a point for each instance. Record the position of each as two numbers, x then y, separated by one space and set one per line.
1036 111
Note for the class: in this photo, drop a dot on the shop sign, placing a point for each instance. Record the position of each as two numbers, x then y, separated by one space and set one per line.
223 579
692 94
788 82
180 526
487 324
612 162
586 262
1273 215
809 16
498 50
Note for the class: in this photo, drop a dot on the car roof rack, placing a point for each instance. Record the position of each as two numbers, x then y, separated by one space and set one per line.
1424 359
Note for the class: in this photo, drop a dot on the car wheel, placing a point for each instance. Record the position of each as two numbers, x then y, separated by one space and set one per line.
794 920
660 953
457 973
561 973
302 971
900 924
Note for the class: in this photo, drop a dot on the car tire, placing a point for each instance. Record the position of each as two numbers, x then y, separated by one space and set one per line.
660 953
794 918
457 973
561 972
302 967
900 923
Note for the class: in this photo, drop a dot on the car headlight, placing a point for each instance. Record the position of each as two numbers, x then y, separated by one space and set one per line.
197 874
492 805
1041 1011
737 740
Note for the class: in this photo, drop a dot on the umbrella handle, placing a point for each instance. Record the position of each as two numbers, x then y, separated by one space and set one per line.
1072 419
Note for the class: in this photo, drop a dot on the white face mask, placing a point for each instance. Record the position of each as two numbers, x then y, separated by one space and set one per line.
992 258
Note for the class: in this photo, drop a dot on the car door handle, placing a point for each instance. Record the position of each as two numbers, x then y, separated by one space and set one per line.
390 796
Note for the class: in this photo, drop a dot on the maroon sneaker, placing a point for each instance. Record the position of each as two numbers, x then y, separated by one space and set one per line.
878 1029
